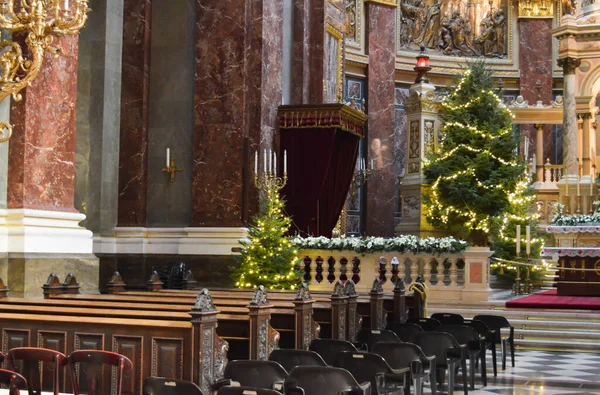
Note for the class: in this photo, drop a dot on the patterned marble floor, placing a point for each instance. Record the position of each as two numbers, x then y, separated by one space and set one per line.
542 373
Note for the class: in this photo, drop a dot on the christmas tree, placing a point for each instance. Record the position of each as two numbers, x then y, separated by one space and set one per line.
268 258
476 168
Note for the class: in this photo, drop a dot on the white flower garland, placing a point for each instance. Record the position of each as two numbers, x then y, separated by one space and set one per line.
365 245
562 219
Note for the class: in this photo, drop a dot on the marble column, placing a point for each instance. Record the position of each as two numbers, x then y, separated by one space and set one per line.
381 28
238 88
585 145
43 234
571 144
535 65
135 88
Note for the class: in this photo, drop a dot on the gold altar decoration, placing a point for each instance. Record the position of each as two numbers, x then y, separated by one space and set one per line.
536 9
38 21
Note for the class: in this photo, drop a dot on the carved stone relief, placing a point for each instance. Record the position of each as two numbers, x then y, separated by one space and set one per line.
454 28
414 140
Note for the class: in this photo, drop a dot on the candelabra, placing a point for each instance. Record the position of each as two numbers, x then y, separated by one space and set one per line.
39 21
269 182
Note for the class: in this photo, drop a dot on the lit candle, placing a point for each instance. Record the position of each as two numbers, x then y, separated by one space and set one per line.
534 166
578 191
528 240
255 162
168 157
518 240
285 162
265 158
275 163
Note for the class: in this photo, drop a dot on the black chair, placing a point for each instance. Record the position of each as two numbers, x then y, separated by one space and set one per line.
318 380
448 318
497 322
406 332
252 373
449 355
403 355
489 334
427 324
289 359
165 386
369 337
328 348
13 380
373 368
475 348
246 391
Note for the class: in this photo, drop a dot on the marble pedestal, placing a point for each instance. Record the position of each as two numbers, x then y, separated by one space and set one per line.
24 274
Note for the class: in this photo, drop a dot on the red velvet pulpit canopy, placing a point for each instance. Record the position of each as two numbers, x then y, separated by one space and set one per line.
322 146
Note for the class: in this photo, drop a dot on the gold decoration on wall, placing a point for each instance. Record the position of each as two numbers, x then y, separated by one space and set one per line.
536 9
39 21
339 36
391 3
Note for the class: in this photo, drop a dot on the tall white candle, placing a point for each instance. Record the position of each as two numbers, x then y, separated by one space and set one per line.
66 5
528 239
275 163
168 157
526 148
372 164
534 165
265 160
270 161
255 162
518 239
285 162
578 191
364 165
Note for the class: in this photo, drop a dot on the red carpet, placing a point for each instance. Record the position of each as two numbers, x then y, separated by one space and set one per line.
550 300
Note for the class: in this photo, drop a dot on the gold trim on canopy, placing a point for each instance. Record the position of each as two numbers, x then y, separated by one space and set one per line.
323 116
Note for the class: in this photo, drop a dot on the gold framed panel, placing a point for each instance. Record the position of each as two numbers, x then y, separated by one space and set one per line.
339 37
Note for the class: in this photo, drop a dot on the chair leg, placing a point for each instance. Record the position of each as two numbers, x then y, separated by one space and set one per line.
418 385
451 375
512 351
483 367
472 360
503 354
463 365
494 359
432 382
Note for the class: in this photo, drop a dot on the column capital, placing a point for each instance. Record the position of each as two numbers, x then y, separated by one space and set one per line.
569 64
538 126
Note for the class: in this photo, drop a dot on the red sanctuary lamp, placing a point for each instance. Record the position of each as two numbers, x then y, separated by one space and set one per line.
422 67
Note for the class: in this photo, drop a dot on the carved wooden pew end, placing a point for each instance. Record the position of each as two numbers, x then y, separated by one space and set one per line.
53 286
3 290
70 286
188 281
155 283
116 284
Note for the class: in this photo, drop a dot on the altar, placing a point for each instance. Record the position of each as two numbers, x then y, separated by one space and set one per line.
578 252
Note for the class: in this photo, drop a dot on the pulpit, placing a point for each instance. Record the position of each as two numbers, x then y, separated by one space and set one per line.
322 143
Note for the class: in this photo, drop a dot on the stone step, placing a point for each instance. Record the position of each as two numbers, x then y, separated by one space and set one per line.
555 345
563 326
571 335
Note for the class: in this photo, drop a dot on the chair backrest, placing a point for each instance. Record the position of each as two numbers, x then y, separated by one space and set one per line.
399 355
87 368
481 328
51 368
449 318
291 358
363 366
165 386
427 324
328 348
13 380
246 391
318 380
371 336
406 332
258 374
463 334
494 322
438 344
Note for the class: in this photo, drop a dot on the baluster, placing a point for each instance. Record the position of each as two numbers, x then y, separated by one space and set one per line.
453 274
382 263
343 269
313 269
331 269
402 270
547 174
355 270
427 272
440 274
308 276
395 263
414 270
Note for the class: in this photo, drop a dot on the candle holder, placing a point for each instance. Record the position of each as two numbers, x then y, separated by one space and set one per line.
528 286
172 169
518 285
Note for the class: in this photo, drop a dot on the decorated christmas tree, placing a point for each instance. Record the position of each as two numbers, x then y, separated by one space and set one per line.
268 257
476 169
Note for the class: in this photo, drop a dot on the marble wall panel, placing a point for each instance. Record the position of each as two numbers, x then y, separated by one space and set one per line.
42 150
171 107
400 146
98 116
133 150
535 58
381 140
238 88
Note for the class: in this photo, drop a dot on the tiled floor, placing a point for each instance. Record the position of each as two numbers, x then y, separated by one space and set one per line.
542 373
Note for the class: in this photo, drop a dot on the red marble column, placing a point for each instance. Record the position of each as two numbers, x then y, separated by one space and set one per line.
381 28
535 63
238 90
135 93
41 171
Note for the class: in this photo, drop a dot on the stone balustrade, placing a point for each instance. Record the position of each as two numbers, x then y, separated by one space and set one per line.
458 276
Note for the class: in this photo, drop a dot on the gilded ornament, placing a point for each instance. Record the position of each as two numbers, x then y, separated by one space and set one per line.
39 21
